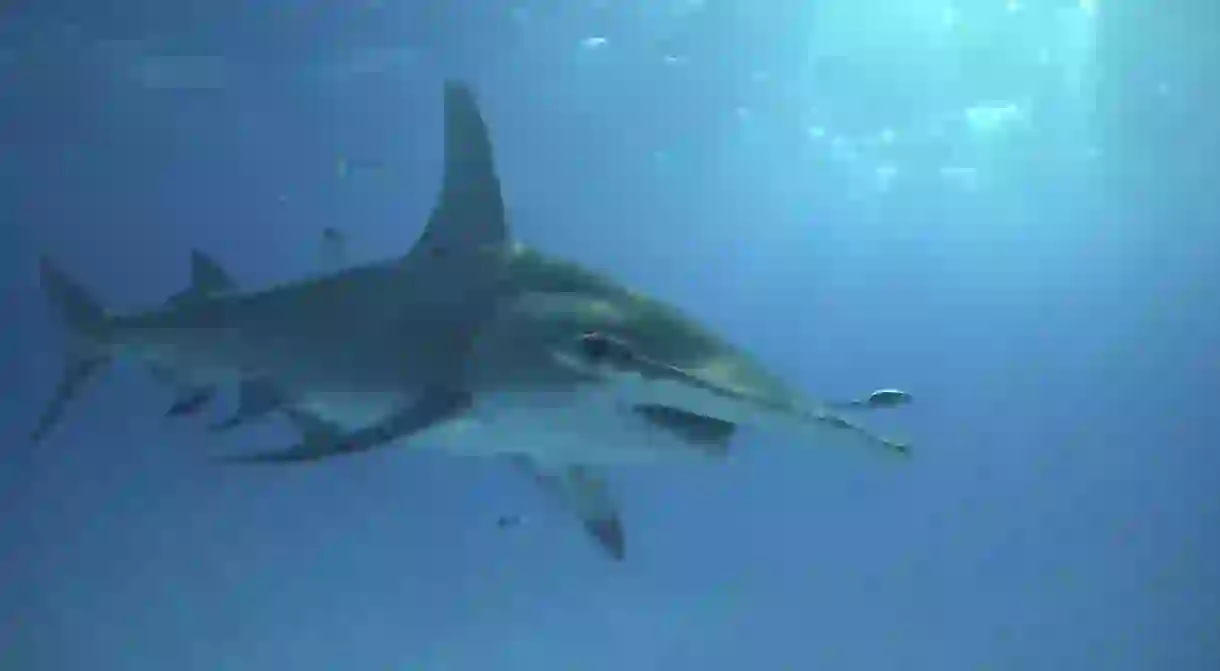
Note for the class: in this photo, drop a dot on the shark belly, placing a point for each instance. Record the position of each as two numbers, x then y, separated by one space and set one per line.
588 427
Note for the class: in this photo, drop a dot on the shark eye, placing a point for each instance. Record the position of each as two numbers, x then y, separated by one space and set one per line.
600 348
595 346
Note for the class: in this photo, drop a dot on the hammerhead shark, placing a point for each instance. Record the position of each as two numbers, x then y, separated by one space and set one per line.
470 343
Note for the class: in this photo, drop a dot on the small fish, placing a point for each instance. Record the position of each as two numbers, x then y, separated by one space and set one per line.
509 521
347 166
887 398
882 398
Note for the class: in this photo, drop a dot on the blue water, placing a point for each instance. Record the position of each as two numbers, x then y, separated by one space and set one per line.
1005 208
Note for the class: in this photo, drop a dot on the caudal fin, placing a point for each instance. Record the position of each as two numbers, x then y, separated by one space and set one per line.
86 353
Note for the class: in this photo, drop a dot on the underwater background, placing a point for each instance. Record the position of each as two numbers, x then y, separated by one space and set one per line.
1007 208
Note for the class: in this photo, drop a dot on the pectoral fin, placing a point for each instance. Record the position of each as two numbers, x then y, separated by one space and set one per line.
583 491
190 400
256 398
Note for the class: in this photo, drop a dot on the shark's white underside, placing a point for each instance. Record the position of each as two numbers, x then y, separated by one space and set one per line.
594 426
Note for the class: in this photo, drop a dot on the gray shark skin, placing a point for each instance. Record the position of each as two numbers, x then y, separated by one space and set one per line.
470 344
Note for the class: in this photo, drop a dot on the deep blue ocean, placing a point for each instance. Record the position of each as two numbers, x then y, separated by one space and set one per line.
1007 208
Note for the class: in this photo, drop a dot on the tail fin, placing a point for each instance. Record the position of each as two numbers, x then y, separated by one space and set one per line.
88 325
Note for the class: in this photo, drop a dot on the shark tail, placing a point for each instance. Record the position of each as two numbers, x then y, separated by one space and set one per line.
86 352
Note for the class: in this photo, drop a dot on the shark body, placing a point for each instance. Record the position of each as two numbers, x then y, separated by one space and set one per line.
470 343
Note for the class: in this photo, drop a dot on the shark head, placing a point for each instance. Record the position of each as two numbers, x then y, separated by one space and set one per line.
563 324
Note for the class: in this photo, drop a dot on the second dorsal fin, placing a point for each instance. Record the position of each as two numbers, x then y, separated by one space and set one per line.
207 278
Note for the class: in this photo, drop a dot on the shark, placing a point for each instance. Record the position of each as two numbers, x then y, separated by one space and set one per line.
470 343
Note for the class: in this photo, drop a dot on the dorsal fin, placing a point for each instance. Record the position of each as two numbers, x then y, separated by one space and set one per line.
207 276
456 269
468 220
332 252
